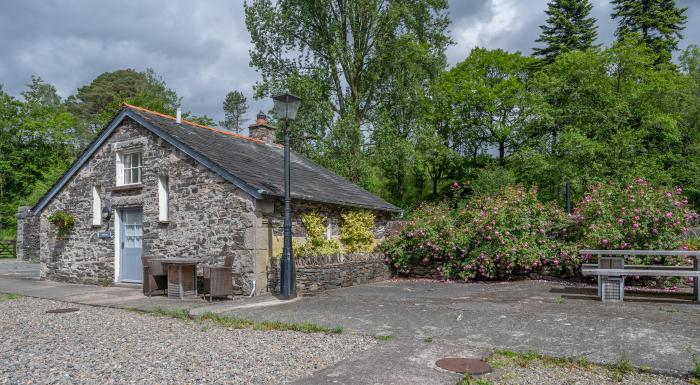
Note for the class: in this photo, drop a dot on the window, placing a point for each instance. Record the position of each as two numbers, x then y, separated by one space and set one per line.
329 229
163 198
128 168
96 207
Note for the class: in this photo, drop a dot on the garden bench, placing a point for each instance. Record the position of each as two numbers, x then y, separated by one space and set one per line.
611 270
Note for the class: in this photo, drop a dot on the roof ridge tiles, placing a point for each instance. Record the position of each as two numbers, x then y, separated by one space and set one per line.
217 130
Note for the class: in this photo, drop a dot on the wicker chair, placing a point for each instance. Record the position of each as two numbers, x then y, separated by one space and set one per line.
217 279
155 278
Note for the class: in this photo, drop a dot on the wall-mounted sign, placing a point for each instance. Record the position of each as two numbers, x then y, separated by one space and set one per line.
104 234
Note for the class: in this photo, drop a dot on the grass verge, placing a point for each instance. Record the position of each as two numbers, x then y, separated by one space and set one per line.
8 297
506 358
242 323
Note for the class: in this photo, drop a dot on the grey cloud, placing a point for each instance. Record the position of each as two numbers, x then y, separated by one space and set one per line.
201 48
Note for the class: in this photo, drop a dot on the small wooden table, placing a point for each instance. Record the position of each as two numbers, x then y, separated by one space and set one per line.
182 276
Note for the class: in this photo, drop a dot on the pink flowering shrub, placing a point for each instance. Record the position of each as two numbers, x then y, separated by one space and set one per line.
493 236
423 240
496 236
634 216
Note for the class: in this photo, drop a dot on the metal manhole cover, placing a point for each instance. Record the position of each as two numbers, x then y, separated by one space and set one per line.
464 365
62 310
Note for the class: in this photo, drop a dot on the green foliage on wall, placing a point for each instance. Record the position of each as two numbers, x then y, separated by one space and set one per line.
63 221
316 243
356 231
356 235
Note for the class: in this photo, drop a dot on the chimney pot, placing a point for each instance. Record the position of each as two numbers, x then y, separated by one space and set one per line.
261 119
261 130
178 116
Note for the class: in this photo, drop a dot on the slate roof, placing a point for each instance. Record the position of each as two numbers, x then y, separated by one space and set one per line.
252 165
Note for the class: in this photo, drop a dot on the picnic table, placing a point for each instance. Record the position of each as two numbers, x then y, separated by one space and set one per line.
182 276
611 270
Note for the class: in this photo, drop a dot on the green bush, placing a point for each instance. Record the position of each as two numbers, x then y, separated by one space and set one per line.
315 244
497 235
634 216
356 231
493 236
491 180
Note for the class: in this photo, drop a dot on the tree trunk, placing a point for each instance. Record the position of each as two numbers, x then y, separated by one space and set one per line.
502 152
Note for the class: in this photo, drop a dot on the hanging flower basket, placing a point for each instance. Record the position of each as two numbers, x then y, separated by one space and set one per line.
63 221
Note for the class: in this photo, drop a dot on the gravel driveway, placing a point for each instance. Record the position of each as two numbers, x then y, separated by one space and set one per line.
111 346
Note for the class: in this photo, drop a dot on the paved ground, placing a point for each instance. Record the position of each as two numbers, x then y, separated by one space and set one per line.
659 330
12 268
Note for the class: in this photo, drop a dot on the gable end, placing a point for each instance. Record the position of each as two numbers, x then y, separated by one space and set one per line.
105 134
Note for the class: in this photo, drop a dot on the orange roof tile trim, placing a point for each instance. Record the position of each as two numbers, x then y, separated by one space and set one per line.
217 130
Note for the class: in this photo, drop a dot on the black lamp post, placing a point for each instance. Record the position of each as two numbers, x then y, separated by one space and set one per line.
286 107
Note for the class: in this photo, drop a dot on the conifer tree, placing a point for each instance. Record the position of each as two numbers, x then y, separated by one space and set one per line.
235 107
659 22
569 27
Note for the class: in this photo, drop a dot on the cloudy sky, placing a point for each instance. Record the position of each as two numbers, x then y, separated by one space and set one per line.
200 48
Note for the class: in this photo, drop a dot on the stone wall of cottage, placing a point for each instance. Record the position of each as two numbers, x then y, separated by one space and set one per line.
27 235
208 216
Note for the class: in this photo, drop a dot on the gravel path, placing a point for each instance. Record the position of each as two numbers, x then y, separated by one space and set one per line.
111 346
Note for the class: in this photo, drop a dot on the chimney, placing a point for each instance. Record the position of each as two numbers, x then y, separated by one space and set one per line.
178 116
261 130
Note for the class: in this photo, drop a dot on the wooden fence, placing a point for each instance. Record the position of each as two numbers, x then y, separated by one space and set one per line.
8 249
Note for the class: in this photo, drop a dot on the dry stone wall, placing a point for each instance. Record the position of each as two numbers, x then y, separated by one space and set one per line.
326 273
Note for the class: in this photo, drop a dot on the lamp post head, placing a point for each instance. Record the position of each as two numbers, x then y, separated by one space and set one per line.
286 106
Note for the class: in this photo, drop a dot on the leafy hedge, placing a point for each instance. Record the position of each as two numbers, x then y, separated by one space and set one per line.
496 236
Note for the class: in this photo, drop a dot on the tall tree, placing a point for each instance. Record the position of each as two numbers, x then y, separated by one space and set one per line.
569 27
37 143
492 99
235 108
40 93
660 23
349 48
95 104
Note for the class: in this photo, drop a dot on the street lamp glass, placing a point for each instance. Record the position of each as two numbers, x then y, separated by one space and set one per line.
286 106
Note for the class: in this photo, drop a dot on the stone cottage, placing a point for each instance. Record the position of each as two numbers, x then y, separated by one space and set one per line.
152 184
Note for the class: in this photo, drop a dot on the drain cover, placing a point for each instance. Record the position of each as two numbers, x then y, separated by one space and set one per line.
62 310
464 365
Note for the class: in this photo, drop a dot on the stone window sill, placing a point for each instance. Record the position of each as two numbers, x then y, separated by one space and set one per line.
163 222
127 187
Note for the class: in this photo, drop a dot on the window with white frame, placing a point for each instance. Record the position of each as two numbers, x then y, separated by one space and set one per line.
96 207
329 229
163 198
129 168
